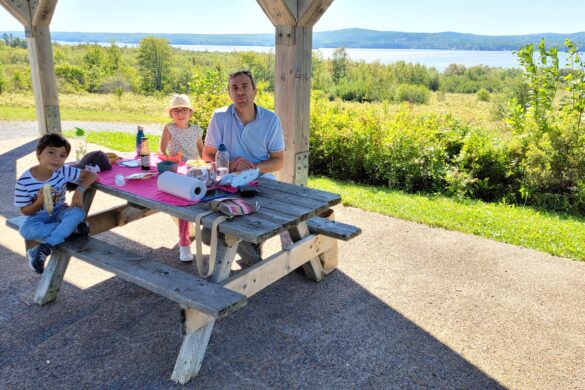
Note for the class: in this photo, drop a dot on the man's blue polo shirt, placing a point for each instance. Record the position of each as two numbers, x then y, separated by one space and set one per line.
254 141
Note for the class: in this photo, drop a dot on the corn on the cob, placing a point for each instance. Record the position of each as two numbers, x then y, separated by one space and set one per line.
47 198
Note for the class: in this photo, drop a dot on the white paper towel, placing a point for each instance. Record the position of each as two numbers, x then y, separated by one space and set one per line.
182 186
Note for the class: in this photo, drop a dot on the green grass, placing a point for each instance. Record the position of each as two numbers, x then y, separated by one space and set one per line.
557 234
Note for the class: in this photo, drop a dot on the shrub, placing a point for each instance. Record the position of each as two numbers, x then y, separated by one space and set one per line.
483 95
415 94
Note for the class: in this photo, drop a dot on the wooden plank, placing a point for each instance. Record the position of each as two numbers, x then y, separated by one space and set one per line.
310 11
247 228
260 275
181 287
280 12
299 191
313 268
293 199
19 9
42 13
116 216
338 230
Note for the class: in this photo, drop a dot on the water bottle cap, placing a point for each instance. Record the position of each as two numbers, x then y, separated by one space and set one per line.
222 148
140 128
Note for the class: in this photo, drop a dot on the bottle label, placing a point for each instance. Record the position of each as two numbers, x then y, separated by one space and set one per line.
145 162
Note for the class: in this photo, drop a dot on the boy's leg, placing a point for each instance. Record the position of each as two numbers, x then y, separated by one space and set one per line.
69 218
38 227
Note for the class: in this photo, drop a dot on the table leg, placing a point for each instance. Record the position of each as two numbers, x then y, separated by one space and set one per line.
197 326
313 268
51 280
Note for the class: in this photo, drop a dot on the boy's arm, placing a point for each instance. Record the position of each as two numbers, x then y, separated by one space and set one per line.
35 206
87 178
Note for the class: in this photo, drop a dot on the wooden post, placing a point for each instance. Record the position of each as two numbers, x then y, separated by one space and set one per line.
40 55
35 16
292 98
294 21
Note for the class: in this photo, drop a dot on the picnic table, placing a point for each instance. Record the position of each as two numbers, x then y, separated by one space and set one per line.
308 241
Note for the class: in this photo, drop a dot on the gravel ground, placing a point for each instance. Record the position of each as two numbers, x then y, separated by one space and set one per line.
410 307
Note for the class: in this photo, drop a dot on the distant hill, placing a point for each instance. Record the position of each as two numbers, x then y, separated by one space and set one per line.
349 38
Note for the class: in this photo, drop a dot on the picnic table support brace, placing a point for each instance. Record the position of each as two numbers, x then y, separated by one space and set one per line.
313 268
197 326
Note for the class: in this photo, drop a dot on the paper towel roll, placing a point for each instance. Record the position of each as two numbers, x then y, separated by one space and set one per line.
182 186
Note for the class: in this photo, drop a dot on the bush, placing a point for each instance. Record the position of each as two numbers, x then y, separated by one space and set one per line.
483 95
415 94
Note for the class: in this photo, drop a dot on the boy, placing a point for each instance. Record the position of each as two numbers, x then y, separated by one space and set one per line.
51 226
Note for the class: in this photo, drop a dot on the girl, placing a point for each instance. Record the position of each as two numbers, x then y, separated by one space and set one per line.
180 136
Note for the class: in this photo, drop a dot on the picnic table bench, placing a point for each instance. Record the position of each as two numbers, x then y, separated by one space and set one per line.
287 209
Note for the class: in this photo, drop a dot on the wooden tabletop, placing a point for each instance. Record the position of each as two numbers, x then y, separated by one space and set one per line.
282 206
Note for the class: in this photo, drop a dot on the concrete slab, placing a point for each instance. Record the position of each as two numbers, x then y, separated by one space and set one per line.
409 307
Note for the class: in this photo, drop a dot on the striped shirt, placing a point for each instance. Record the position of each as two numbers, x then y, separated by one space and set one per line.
27 187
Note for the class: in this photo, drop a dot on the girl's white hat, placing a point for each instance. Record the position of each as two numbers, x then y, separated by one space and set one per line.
179 101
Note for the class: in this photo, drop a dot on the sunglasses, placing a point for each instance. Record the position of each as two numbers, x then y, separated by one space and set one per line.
180 110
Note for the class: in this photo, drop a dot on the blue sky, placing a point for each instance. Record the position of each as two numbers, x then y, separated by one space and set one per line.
494 17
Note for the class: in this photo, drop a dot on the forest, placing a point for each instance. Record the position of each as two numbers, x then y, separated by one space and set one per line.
375 123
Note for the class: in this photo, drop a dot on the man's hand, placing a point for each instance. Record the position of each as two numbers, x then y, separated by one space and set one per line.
241 164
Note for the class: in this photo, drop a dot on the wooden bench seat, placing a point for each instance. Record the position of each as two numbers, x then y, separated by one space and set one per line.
186 289
333 229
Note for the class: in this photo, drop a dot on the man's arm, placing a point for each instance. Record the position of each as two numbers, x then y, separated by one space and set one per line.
209 153
274 163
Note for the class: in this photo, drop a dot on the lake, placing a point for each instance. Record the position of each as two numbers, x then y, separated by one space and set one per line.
438 59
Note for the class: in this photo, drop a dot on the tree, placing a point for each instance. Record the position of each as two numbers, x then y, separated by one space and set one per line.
154 60
339 60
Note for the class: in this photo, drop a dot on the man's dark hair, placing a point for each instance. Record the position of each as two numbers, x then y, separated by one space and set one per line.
55 140
240 72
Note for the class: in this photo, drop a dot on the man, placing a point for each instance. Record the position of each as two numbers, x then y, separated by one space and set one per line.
253 138
252 135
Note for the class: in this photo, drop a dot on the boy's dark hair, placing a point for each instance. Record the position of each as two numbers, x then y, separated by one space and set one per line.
240 72
55 140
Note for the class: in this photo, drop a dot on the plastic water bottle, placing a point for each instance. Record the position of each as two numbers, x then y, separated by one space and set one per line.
139 136
222 162
80 143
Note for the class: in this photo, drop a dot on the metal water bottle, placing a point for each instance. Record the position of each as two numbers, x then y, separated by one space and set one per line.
139 136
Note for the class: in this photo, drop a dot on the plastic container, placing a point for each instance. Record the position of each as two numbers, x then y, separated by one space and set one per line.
222 162
165 166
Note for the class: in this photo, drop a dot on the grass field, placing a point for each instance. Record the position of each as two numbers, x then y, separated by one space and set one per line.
143 109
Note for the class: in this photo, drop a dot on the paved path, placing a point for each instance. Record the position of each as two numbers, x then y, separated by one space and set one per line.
19 129
409 307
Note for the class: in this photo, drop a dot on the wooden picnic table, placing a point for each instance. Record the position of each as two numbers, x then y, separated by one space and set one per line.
308 241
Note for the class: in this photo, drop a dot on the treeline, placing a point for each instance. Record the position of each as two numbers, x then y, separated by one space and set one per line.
350 37
156 67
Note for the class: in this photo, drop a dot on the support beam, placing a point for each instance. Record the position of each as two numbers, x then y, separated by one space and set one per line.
292 98
42 13
311 11
280 12
19 9
40 54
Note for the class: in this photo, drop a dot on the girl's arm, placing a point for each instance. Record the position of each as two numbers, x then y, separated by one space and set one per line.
164 141
200 146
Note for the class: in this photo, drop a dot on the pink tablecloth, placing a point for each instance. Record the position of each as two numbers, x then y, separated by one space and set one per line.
148 188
